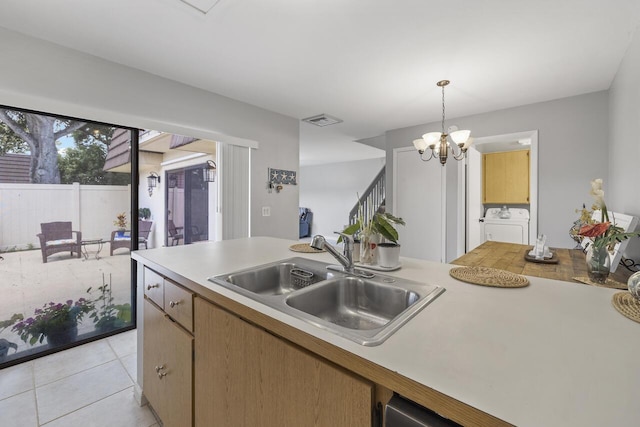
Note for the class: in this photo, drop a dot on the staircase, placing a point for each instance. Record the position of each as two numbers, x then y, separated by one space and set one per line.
372 200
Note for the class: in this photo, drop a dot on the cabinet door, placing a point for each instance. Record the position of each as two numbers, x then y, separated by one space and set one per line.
506 177
167 368
493 168
245 376
517 176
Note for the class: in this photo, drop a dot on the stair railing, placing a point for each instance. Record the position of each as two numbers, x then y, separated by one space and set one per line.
371 200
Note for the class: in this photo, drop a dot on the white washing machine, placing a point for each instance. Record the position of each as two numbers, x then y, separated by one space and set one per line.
509 225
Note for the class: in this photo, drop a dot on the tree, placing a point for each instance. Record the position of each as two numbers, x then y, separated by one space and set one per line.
39 133
84 164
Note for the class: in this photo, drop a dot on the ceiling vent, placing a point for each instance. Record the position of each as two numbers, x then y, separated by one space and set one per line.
203 6
322 120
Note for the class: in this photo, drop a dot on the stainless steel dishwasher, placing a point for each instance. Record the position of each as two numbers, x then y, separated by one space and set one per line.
401 412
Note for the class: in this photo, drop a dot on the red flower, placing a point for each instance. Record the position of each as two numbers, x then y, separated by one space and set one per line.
594 230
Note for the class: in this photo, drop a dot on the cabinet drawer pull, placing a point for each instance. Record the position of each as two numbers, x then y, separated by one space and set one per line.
173 303
149 287
159 368
162 375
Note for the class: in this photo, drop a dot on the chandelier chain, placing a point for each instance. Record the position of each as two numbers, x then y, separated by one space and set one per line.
442 109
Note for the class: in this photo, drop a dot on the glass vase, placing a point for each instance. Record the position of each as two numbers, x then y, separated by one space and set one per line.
598 264
368 249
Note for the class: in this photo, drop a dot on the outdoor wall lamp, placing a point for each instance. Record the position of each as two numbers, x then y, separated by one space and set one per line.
152 180
209 171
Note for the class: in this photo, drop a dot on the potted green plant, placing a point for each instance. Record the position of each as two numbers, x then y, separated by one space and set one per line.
106 315
144 213
380 226
5 345
121 223
57 322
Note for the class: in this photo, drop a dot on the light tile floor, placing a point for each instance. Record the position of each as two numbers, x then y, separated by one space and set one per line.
87 386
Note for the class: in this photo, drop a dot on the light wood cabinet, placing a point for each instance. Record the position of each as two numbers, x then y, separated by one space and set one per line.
248 377
506 177
167 367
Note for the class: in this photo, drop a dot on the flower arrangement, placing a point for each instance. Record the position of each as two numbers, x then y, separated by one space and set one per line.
121 221
603 233
51 317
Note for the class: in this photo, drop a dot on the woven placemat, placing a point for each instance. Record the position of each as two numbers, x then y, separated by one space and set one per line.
627 305
486 276
609 283
304 247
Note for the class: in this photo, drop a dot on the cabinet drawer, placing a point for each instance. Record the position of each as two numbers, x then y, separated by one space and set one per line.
179 304
154 287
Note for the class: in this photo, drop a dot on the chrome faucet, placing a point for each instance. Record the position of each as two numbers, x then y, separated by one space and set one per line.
319 242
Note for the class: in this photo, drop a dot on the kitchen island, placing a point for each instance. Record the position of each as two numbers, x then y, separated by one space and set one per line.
543 355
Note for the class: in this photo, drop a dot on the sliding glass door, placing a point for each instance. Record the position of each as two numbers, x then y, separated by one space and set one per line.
65 234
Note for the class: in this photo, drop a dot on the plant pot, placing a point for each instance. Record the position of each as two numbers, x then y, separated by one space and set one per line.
388 255
120 233
62 334
598 264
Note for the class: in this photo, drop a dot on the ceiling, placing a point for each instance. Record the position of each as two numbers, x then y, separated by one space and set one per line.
371 63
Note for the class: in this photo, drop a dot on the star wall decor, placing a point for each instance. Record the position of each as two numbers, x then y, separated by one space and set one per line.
281 176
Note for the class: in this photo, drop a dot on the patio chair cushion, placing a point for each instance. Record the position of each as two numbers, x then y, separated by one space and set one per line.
60 242
123 238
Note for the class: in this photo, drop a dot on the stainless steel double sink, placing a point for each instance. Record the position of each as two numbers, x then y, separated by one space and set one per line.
364 310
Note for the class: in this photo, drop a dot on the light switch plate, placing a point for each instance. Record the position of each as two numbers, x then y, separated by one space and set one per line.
266 211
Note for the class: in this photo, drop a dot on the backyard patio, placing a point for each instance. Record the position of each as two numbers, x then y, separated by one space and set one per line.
27 283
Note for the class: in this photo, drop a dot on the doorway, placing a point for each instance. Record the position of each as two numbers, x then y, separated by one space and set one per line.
472 208
187 201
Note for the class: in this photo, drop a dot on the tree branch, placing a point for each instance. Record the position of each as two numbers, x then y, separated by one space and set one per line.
69 129
16 128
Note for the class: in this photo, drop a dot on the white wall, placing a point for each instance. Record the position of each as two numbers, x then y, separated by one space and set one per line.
573 150
622 192
330 191
43 76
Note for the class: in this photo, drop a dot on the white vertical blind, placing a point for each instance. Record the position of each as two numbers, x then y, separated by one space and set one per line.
234 172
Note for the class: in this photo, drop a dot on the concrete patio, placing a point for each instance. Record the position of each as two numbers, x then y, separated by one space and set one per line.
26 283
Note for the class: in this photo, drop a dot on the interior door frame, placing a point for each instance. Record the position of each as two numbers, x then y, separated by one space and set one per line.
469 225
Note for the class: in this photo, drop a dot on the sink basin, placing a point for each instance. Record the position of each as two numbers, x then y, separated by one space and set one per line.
354 303
279 277
364 310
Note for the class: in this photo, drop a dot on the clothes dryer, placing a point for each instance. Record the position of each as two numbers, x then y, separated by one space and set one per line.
509 225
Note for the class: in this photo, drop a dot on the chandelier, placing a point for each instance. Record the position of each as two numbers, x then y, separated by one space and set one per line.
437 142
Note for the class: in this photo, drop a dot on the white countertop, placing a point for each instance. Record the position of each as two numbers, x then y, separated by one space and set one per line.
550 354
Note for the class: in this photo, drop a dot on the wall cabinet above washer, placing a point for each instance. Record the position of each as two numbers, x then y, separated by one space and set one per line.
505 177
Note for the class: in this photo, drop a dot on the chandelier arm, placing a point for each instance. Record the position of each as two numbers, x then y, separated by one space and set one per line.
459 156
455 147
430 156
